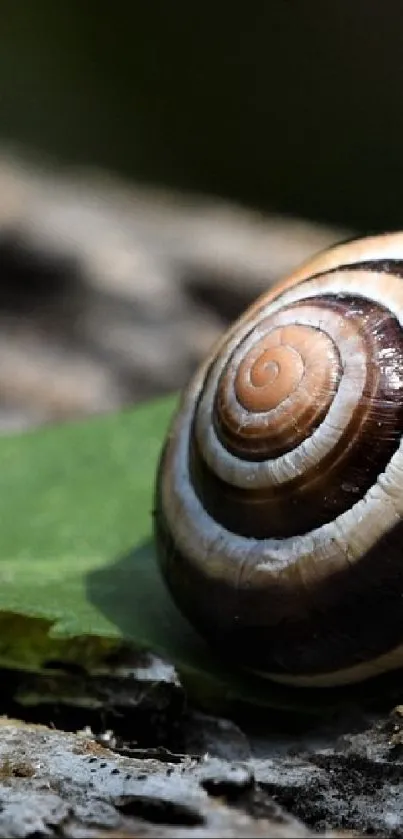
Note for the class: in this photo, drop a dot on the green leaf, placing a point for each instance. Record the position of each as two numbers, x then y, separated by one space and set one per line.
78 574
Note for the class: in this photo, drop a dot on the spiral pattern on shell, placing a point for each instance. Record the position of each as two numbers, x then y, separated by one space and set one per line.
279 497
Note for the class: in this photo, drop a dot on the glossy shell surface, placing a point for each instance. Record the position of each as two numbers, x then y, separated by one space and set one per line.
279 496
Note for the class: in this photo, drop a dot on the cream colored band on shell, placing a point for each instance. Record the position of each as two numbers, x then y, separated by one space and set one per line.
333 546
391 660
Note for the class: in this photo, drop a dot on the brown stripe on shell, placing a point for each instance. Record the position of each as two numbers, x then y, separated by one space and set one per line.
303 394
384 266
347 618
372 253
352 615
351 467
341 259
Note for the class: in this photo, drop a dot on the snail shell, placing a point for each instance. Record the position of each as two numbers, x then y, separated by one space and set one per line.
279 495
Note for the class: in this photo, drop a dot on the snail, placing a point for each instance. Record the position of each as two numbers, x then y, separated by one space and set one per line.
279 491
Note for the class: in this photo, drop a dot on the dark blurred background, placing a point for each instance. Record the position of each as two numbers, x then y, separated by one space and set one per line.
294 105
162 163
